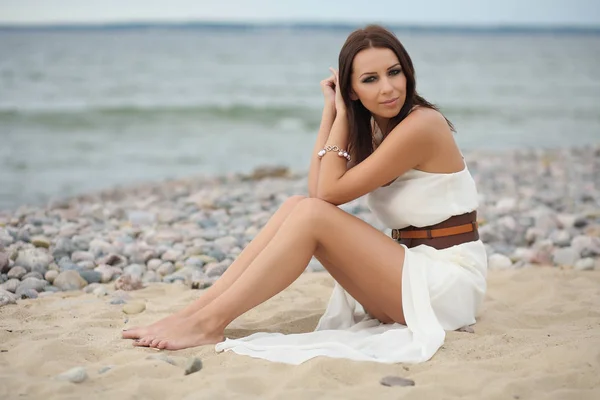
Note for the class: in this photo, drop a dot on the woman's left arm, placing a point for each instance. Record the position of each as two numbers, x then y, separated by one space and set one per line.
409 144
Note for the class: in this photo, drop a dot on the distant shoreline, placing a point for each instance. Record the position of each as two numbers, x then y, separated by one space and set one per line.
505 29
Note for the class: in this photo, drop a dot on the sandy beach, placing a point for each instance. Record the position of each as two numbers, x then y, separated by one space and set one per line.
69 270
538 336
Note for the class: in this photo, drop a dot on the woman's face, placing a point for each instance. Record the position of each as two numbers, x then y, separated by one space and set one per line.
378 82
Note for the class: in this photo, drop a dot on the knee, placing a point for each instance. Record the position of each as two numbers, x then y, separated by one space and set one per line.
293 201
311 209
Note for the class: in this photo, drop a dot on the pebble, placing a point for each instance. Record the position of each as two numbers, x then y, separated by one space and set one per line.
134 308
34 283
193 365
40 241
11 285
51 275
26 293
190 230
566 256
75 375
16 272
105 369
34 259
396 381
585 264
7 297
128 283
69 280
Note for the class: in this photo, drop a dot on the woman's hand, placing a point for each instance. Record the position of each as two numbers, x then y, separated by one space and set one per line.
340 106
328 89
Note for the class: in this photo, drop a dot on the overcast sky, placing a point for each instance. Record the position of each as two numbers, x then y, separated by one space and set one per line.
470 12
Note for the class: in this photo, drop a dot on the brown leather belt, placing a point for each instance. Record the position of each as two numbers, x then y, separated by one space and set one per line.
455 230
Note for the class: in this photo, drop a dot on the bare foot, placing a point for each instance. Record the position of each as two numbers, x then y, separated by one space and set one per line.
153 329
182 334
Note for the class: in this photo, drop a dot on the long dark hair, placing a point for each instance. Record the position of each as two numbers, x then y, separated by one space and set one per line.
359 118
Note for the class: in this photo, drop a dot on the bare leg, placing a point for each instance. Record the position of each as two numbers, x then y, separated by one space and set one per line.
368 259
231 274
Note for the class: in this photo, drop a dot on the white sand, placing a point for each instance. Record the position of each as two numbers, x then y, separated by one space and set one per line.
538 336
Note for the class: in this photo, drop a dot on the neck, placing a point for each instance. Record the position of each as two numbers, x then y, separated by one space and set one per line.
382 123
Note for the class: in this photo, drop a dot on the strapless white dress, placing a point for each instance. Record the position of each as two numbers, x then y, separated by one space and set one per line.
441 289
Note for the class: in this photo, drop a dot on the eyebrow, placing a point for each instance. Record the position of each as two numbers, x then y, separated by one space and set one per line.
367 73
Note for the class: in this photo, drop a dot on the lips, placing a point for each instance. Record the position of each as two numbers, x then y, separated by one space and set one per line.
391 101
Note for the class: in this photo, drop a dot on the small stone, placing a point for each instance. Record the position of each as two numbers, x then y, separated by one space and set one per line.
51 275
69 280
396 381
100 291
216 270
135 270
40 241
26 293
75 375
561 238
107 272
585 264
193 365
33 283
34 259
565 256
16 272
153 264
165 269
128 283
171 255
91 287
7 297
33 274
150 276
91 276
113 260
11 285
134 308
63 247
105 369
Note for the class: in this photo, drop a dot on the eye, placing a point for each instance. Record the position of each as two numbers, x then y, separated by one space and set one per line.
393 72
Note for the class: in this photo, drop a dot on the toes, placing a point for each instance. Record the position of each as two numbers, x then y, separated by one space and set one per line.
162 344
131 333
143 342
154 343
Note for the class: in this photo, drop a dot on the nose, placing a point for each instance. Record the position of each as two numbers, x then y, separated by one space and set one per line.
386 86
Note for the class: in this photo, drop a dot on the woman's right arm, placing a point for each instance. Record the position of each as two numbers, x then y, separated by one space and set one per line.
326 122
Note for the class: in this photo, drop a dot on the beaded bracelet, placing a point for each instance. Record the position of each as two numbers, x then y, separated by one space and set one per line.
341 153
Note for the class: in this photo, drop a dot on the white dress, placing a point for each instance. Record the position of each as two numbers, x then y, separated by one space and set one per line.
441 289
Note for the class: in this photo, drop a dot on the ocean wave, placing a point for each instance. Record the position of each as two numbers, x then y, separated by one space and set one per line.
120 115
307 116
235 111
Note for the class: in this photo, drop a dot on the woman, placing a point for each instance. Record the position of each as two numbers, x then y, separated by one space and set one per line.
428 278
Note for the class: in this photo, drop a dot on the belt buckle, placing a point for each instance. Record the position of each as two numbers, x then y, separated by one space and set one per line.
395 234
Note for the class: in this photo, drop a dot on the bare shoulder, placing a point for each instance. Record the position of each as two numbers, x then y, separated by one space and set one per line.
427 120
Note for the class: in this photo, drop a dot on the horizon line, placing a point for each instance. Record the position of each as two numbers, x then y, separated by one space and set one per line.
316 24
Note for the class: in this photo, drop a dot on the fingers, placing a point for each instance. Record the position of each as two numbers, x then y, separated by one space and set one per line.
335 74
329 81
